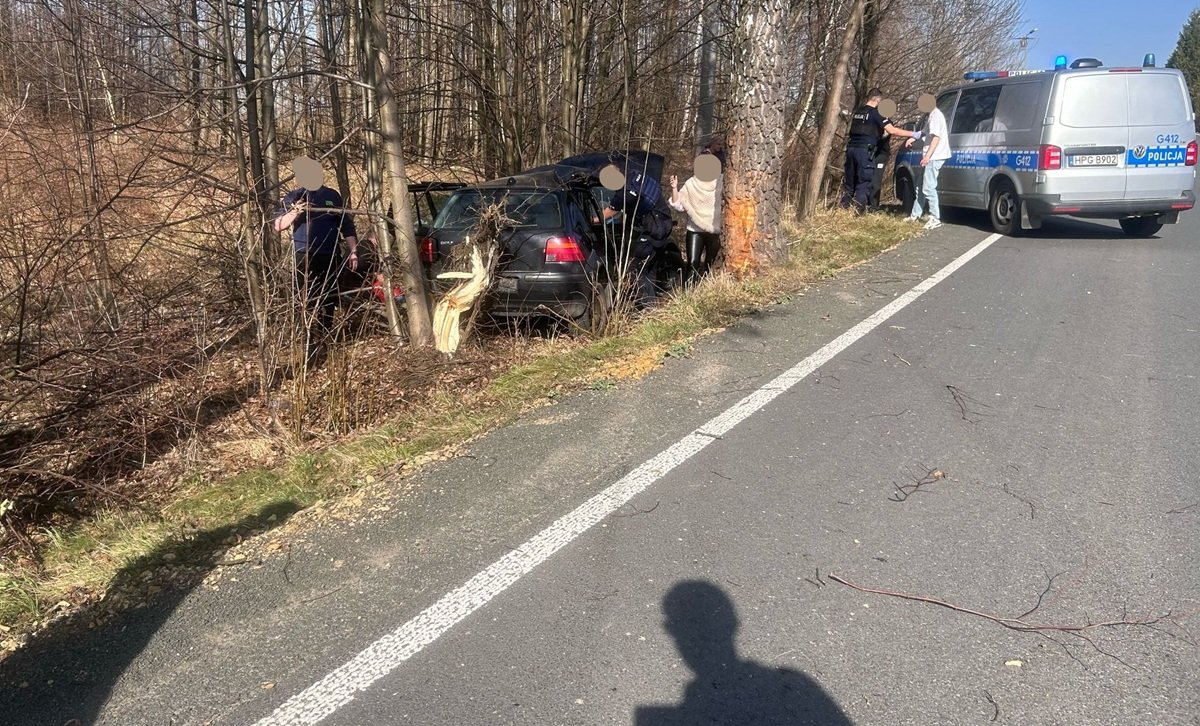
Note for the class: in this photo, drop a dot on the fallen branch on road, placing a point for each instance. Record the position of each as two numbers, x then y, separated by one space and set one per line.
1012 623
907 490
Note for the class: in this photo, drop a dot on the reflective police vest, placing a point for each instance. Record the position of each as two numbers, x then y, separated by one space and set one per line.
866 127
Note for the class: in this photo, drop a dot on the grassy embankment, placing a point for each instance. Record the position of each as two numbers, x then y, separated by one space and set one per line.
80 562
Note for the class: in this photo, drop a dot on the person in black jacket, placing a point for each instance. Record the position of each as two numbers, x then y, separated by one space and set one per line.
319 226
867 127
646 224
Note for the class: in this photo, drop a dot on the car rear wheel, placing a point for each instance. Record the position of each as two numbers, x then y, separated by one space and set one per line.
1141 226
906 192
599 311
1005 209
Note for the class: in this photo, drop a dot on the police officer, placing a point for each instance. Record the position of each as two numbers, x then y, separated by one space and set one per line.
867 128
647 224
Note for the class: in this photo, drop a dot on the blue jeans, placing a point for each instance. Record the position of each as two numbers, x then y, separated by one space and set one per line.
928 188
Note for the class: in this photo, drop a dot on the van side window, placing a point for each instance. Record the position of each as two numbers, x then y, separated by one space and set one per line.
1019 107
976 110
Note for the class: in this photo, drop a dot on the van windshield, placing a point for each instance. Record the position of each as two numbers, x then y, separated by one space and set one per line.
524 208
1124 99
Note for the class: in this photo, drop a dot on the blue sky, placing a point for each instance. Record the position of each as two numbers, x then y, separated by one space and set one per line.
1118 32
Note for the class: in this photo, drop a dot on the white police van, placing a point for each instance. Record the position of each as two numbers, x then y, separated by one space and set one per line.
1083 141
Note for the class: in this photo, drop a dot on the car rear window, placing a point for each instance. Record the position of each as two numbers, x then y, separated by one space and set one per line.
523 208
1124 99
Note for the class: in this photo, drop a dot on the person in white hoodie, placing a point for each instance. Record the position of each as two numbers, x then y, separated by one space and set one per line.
700 199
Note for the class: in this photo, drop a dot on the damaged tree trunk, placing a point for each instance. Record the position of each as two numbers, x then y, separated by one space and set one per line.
420 330
753 179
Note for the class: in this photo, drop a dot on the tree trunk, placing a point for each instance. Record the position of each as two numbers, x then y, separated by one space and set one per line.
420 322
576 23
831 116
329 57
252 260
753 178
270 146
874 14
708 72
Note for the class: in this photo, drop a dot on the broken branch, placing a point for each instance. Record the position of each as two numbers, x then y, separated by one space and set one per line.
1008 622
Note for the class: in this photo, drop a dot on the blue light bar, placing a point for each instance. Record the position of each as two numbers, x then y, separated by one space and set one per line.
1060 62
984 75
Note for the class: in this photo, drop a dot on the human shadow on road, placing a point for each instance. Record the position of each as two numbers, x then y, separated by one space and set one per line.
726 689
66 673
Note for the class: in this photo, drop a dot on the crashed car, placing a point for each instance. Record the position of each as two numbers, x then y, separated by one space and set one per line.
427 200
559 259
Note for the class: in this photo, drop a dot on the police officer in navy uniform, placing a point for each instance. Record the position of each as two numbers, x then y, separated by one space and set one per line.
868 128
646 224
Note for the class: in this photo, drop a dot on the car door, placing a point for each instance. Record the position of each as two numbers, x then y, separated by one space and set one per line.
971 139
1160 130
1090 124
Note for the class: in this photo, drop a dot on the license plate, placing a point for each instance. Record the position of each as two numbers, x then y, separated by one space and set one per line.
1095 160
506 284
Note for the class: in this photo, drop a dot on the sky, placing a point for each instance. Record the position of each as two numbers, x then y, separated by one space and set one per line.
1118 32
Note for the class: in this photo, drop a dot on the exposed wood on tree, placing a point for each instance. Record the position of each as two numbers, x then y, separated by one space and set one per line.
753 179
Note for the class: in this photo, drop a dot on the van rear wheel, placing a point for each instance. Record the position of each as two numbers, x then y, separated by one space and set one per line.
1141 226
1005 209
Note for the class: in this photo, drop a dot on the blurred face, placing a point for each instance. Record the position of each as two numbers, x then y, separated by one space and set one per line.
309 173
612 178
706 167
926 103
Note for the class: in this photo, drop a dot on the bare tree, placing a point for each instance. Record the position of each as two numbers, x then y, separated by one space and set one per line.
830 118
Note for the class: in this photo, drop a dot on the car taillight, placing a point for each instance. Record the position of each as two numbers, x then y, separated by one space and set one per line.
563 249
429 250
1190 159
1050 158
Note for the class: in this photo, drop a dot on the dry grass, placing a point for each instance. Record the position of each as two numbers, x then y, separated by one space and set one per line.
442 405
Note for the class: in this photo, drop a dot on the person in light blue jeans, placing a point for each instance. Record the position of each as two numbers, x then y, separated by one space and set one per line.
937 153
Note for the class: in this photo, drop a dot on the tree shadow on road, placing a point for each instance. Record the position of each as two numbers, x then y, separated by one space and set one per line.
66 673
726 689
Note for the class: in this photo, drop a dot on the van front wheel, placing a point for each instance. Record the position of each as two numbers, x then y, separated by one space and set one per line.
1141 226
1005 208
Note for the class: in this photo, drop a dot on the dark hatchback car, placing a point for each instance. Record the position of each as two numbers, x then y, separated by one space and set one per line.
558 257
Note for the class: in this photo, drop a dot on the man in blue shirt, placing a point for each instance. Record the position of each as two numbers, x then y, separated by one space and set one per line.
319 224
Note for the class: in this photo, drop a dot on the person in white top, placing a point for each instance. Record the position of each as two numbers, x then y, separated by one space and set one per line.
700 199
937 152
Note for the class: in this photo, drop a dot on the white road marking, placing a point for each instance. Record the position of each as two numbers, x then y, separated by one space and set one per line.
335 690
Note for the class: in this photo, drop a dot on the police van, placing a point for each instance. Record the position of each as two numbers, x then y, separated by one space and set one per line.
1081 140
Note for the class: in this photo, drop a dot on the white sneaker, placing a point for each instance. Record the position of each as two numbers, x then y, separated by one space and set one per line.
933 224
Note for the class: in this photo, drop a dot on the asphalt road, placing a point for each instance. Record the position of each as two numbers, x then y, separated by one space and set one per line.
1023 432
